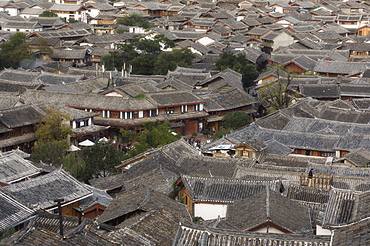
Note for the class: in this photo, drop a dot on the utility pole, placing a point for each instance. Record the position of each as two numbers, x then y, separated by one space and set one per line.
59 201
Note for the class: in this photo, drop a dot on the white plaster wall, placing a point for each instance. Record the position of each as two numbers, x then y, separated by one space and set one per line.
205 41
282 40
322 231
93 12
270 230
209 211
11 11
278 9
113 94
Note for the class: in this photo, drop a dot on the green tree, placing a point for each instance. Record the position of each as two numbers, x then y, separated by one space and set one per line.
154 135
102 158
121 30
14 51
95 161
47 13
232 121
134 20
240 64
53 127
236 119
168 61
51 152
51 138
114 59
76 166
44 47
277 95
222 131
142 53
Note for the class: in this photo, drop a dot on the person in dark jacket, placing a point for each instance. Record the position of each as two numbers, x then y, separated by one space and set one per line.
310 175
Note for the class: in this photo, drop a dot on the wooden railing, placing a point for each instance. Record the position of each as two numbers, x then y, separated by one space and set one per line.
318 180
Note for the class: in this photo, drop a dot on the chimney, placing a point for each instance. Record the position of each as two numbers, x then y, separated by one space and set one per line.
59 201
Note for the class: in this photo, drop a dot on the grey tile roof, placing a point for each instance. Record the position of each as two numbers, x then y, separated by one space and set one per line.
100 197
13 168
230 99
276 120
21 116
356 90
8 100
308 194
158 179
217 190
139 198
310 125
87 101
108 183
84 234
345 206
166 98
75 33
339 170
274 147
269 206
12 211
17 87
41 191
203 166
297 140
163 158
356 233
63 53
50 222
18 75
196 235
358 158
305 62
336 67
159 225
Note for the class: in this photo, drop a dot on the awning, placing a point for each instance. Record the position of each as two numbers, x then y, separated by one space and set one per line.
74 148
87 142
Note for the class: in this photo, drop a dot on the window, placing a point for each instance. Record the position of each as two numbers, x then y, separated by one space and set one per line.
170 110
128 115
184 108
152 113
328 154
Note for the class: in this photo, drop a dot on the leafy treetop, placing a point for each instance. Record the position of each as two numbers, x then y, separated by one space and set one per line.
154 135
14 51
135 20
47 13
240 64
53 127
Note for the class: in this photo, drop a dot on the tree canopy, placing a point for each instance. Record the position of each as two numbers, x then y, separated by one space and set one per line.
135 20
51 138
240 64
14 51
154 135
47 13
146 56
94 161
232 121
168 61
53 127
275 96
236 119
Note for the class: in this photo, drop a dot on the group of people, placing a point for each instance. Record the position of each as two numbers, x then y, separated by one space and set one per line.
195 142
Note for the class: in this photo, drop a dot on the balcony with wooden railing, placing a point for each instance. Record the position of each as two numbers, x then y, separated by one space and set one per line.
323 181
